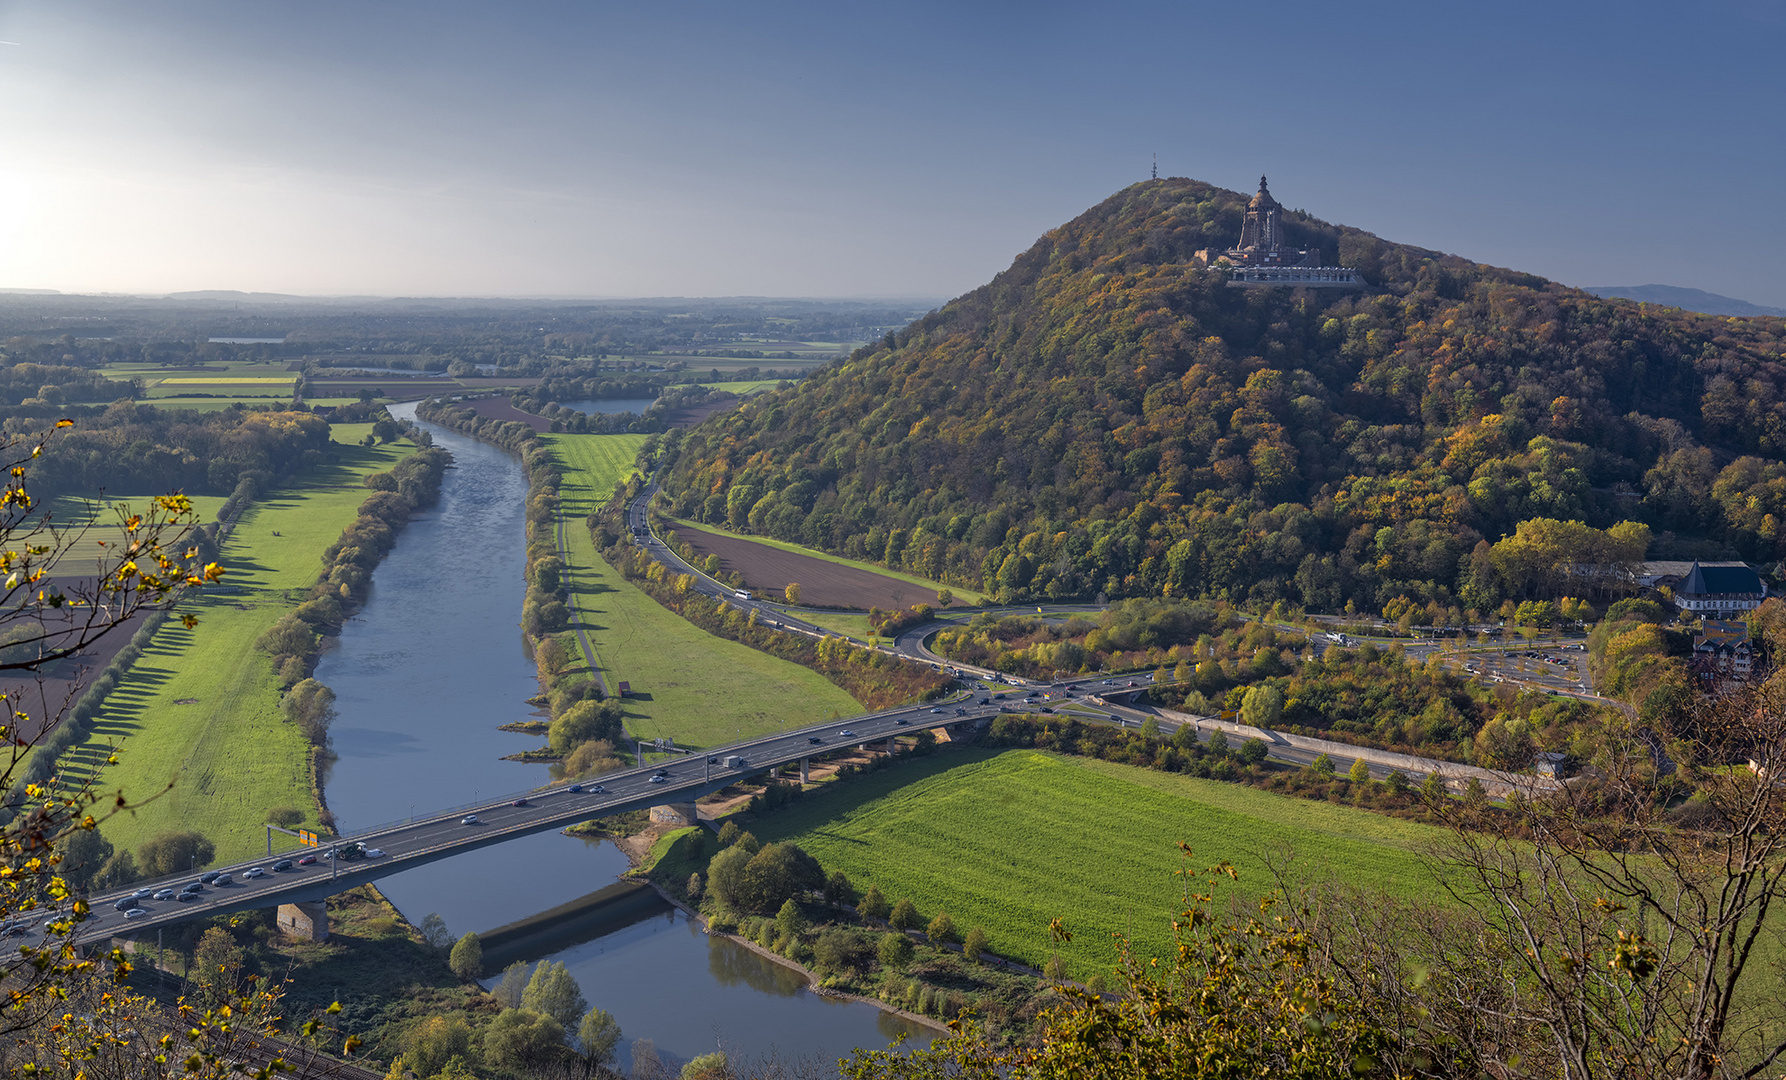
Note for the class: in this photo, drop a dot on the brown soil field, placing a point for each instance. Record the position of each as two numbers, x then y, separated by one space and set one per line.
822 584
498 408
694 414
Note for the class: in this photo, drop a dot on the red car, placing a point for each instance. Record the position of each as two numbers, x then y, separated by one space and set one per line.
519 802
308 860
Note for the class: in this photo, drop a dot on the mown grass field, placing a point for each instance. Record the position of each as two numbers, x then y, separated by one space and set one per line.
689 685
1010 840
962 595
201 708
839 623
593 465
218 404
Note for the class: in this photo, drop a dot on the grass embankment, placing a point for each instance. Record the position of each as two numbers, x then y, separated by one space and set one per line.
962 594
689 685
202 706
1008 841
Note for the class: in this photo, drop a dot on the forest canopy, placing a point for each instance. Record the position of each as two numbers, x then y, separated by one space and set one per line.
1107 416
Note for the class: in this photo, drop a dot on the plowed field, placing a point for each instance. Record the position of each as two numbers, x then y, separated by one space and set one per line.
822 584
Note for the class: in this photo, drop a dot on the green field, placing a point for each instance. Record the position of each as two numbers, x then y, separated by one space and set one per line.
201 708
962 595
747 386
218 404
838 623
689 685
1011 840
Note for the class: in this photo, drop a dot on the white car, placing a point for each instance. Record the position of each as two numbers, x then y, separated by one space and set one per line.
846 733
374 853
165 894
135 913
469 819
253 872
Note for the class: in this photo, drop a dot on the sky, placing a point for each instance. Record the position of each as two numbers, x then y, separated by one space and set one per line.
846 149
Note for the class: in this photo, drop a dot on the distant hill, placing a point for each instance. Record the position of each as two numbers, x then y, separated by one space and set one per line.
1108 416
1688 299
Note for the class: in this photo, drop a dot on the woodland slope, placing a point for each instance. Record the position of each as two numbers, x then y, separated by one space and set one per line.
1107 416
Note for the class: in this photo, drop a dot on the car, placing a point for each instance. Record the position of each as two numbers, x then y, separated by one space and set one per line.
900 720
253 872
713 761
374 853
519 802
812 738
141 894
469 819
659 779
223 879
937 711
135 913
1046 709
186 895
165 894
193 886
125 903
350 852
574 789
599 790
308 860
283 865
209 876
846 732
661 772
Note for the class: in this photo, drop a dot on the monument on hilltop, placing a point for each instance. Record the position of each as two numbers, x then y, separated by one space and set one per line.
1263 258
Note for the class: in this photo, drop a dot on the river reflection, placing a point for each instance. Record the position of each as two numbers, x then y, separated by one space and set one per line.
749 1006
423 675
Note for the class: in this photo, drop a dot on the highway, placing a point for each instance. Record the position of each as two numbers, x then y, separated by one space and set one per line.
443 834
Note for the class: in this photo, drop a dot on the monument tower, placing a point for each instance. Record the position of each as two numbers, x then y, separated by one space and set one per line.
1263 258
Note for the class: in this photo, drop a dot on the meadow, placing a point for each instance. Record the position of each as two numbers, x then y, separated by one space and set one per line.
688 685
962 595
201 708
1009 840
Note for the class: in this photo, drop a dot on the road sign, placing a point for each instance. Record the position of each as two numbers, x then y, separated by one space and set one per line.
308 838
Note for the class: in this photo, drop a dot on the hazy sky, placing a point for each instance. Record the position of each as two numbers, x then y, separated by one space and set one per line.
680 147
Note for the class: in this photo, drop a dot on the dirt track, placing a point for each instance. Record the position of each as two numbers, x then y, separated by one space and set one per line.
822 584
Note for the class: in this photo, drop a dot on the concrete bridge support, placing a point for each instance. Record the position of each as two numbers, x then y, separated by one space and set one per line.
805 769
674 814
307 920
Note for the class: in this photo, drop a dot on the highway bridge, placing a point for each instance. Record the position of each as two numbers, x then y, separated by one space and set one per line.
444 833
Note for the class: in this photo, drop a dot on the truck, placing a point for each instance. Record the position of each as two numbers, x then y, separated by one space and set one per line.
733 761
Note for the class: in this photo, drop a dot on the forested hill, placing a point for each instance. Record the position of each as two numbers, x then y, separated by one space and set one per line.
1107 416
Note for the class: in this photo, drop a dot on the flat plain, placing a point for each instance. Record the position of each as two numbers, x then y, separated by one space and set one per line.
1009 840
688 685
201 708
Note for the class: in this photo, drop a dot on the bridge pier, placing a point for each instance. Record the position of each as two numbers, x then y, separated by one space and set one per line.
307 920
805 769
674 814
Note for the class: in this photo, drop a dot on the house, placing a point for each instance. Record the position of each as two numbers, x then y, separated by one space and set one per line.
1548 764
1721 652
1669 573
1720 591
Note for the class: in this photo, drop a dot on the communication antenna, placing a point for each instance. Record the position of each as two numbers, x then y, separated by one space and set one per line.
1156 166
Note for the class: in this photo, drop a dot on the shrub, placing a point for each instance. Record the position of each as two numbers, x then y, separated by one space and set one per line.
895 950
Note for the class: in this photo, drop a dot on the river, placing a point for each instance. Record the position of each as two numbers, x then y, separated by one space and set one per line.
423 675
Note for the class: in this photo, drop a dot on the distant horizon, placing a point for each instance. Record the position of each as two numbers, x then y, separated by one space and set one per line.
551 149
